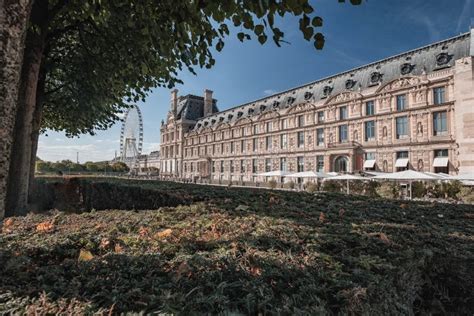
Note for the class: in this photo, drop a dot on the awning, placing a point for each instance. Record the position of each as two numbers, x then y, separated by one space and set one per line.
401 163
369 163
441 162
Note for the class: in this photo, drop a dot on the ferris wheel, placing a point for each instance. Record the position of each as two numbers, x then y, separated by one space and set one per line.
131 137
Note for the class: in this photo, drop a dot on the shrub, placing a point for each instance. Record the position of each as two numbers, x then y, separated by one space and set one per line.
451 189
388 190
311 187
290 185
272 184
332 186
418 189
466 194
371 188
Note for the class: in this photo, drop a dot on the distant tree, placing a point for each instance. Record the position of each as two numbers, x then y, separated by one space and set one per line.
119 167
43 166
91 166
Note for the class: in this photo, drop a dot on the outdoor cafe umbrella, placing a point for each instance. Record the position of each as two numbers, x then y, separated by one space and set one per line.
347 177
309 174
276 173
406 175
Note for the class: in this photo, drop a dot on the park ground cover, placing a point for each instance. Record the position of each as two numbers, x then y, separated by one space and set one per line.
221 250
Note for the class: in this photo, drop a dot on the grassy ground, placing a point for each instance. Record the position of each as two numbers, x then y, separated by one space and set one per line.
242 251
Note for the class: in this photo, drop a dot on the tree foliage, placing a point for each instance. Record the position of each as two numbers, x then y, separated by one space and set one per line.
102 55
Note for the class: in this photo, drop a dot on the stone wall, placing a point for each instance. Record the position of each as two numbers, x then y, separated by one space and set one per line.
13 20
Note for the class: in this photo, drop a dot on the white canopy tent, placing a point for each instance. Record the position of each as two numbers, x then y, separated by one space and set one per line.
276 173
406 175
309 174
347 178
464 176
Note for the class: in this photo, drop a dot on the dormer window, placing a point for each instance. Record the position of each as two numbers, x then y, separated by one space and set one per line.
250 111
221 119
308 95
262 107
442 59
206 123
276 104
375 77
290 101
350 84
239 114
230 116
406 68
327 91
213 121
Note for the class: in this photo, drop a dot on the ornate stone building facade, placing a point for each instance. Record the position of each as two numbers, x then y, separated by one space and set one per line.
414 110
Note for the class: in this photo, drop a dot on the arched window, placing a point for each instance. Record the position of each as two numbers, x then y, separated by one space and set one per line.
385 166
341 164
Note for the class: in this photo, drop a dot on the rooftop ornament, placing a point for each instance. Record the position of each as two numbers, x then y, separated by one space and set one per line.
375 77
308 95
406 68
442 59
350 84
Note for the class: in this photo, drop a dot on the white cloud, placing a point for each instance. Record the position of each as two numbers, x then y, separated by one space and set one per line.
269 91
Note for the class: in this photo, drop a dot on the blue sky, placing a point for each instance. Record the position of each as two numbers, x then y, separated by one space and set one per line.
355 35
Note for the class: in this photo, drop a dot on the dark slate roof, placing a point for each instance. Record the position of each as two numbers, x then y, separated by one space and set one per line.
191 107
425 59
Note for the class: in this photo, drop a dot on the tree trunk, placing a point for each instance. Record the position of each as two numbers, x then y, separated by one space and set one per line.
14 15
19 173
36 127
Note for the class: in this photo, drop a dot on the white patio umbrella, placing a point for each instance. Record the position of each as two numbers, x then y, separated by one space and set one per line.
463 176
440 176
309 174
347 177
406 175
276 173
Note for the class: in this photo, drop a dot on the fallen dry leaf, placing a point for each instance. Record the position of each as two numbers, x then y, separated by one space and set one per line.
85 255
45 227
8 222
118 248
384 238
322 217
143 231
255 271
164 233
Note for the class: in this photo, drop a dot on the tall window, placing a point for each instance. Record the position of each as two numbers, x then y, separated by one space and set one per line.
268 142
222 148
300 164
401 102
402 154
342 133
440 126
402 126
439 95
254 144
300 120
242 131
242 166
320 116
369 108
254 165
269 126
441 153
231 166
222 166
320 137
343 112
242 146
268 165
283 166
300 139
284 124
231 147
369 130
213 149
213 166
255 129
283 141
320 163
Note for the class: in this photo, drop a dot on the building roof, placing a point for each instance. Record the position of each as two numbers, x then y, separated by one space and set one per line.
426 59
191 107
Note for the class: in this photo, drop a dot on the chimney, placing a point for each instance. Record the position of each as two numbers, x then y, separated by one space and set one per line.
207 102
174 101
